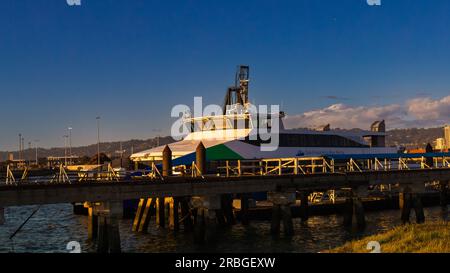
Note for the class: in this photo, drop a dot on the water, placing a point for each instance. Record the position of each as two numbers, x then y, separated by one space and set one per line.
53 226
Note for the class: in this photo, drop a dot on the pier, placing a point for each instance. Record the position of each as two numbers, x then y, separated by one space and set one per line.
199 200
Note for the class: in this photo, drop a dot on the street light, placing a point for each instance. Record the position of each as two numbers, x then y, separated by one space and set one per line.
35 144
70 144
98 140
65 149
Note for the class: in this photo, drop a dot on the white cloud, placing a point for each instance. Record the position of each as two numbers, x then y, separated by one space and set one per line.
418 112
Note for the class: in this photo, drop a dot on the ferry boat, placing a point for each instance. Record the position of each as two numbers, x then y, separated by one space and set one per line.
224 139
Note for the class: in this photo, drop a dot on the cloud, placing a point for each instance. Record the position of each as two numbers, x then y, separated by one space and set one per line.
332 97
417 112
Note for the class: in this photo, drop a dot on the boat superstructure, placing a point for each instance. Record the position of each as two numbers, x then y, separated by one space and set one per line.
236 133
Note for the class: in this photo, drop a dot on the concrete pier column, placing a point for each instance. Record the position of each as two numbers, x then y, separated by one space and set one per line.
281 202
304 213
92 224
167 161
200 158
2 216
405 203
109 214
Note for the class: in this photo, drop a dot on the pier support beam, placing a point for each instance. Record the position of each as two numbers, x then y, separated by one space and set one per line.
109 214
92 224
281 210
304 208
146 215
160 212
227 209
408 200
2 216
205 225
186 214
354 215
174 219
444 199
244 209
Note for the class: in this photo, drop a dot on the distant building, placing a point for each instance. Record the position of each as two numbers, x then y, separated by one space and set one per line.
440 144
11 157
447 136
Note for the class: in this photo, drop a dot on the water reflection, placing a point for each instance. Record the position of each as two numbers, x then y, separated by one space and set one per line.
53 226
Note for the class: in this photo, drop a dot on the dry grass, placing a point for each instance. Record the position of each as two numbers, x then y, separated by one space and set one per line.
413 238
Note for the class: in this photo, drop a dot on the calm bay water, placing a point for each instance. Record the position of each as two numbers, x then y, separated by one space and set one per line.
53 226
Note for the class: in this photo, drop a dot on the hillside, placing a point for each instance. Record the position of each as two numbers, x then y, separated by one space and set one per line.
410 138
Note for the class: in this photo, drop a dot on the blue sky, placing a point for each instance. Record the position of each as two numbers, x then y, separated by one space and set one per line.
130 61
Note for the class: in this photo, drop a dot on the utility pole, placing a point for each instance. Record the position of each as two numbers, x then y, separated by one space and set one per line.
98 140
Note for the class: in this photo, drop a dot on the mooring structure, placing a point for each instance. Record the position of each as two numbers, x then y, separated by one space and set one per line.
198 200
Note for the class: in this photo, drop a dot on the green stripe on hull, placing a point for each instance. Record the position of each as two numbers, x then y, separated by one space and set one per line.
221 152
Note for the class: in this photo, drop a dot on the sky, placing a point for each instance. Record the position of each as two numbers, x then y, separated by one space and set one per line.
130 61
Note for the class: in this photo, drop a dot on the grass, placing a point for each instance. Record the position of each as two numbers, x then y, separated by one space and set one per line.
412 238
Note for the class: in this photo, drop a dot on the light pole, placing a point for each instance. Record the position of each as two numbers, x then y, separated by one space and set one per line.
98 140
20 146
65 149
70 144
36 155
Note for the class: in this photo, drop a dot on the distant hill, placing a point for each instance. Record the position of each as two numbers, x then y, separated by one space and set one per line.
108 148
414 137
410 138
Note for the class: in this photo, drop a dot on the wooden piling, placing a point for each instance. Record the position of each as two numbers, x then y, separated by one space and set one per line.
348 212
138 216
244 210
199 226
146 215
405 205
200 158
443 200
167 161
304 208
102 241
288 225
418 208
92 225
227 209
174 221
358 211
186 215
2 216
276 217
113 234
160 212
